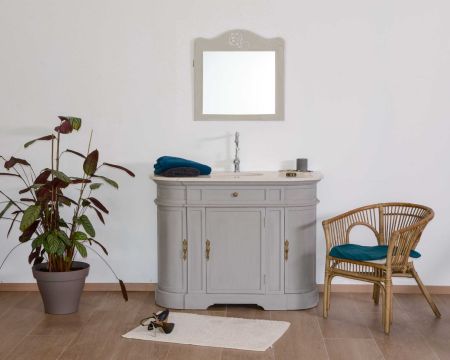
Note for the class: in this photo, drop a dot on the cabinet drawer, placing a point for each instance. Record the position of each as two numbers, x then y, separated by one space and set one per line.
228 195
233 195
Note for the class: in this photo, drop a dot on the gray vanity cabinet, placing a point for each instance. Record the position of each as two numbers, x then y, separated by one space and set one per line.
237 242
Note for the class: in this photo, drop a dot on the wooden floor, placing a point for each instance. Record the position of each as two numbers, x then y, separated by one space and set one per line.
352 331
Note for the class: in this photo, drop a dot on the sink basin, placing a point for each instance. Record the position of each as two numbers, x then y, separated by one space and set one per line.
235 175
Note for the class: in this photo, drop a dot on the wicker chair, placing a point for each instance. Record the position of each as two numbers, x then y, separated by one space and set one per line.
398 225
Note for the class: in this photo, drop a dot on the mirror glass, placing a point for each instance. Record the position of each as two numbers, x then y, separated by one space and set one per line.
238 82
239 75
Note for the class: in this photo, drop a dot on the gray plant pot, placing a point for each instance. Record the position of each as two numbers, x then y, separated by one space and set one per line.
61 291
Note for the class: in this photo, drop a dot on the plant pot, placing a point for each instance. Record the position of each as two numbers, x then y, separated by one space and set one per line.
61 291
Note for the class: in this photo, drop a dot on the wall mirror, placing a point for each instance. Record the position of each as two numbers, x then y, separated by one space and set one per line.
239 76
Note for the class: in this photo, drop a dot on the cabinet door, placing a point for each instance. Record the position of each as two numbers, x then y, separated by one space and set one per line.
171 262
236 237
300 265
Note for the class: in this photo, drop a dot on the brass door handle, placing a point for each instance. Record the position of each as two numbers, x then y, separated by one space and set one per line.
286 249
185 249
207 249
235 194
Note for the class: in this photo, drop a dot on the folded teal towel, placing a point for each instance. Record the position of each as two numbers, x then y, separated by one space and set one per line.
364 253
169 162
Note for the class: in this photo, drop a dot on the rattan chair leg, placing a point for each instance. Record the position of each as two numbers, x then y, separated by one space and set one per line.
326 291
376 293
383 307
329 291
425 293
388 306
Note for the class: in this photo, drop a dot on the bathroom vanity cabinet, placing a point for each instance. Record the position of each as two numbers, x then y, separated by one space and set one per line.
236 238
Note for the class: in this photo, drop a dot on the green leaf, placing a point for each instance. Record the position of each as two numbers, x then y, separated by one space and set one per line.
61 176
30 215
62 223
63 236
75 122
109 181
81 249
39 241
8 205
95 186
61 249
87 225
79 235
90 164
53 243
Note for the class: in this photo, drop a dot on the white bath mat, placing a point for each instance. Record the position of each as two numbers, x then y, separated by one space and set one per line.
216 331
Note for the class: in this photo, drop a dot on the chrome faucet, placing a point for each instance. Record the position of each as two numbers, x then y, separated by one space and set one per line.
236 160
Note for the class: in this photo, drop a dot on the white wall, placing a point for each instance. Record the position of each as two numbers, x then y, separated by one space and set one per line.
367 101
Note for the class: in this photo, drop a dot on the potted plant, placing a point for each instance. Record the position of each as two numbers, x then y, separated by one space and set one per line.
52 213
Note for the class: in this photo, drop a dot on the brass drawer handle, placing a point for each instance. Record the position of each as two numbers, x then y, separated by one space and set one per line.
185 249
208 249
235 194
286 250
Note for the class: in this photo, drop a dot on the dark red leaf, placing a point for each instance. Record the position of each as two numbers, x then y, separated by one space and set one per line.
47 137
80 181
99 214
9 174
76 153
129 172
102 247
14 161
124 290
23 191
98 204
58 183
44 194
65 127
43 177
33 255
90 164
28 233
38 260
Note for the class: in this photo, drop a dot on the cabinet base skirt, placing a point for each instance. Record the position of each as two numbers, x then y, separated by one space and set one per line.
267 301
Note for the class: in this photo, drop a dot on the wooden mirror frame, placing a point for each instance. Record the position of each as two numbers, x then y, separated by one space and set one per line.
239 40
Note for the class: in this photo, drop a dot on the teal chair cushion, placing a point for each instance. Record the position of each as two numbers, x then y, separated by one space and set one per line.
364 253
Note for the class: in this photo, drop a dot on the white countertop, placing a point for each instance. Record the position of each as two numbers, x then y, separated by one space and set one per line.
245 176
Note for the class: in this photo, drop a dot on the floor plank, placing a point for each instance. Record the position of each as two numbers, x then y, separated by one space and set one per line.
352 331
353 349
